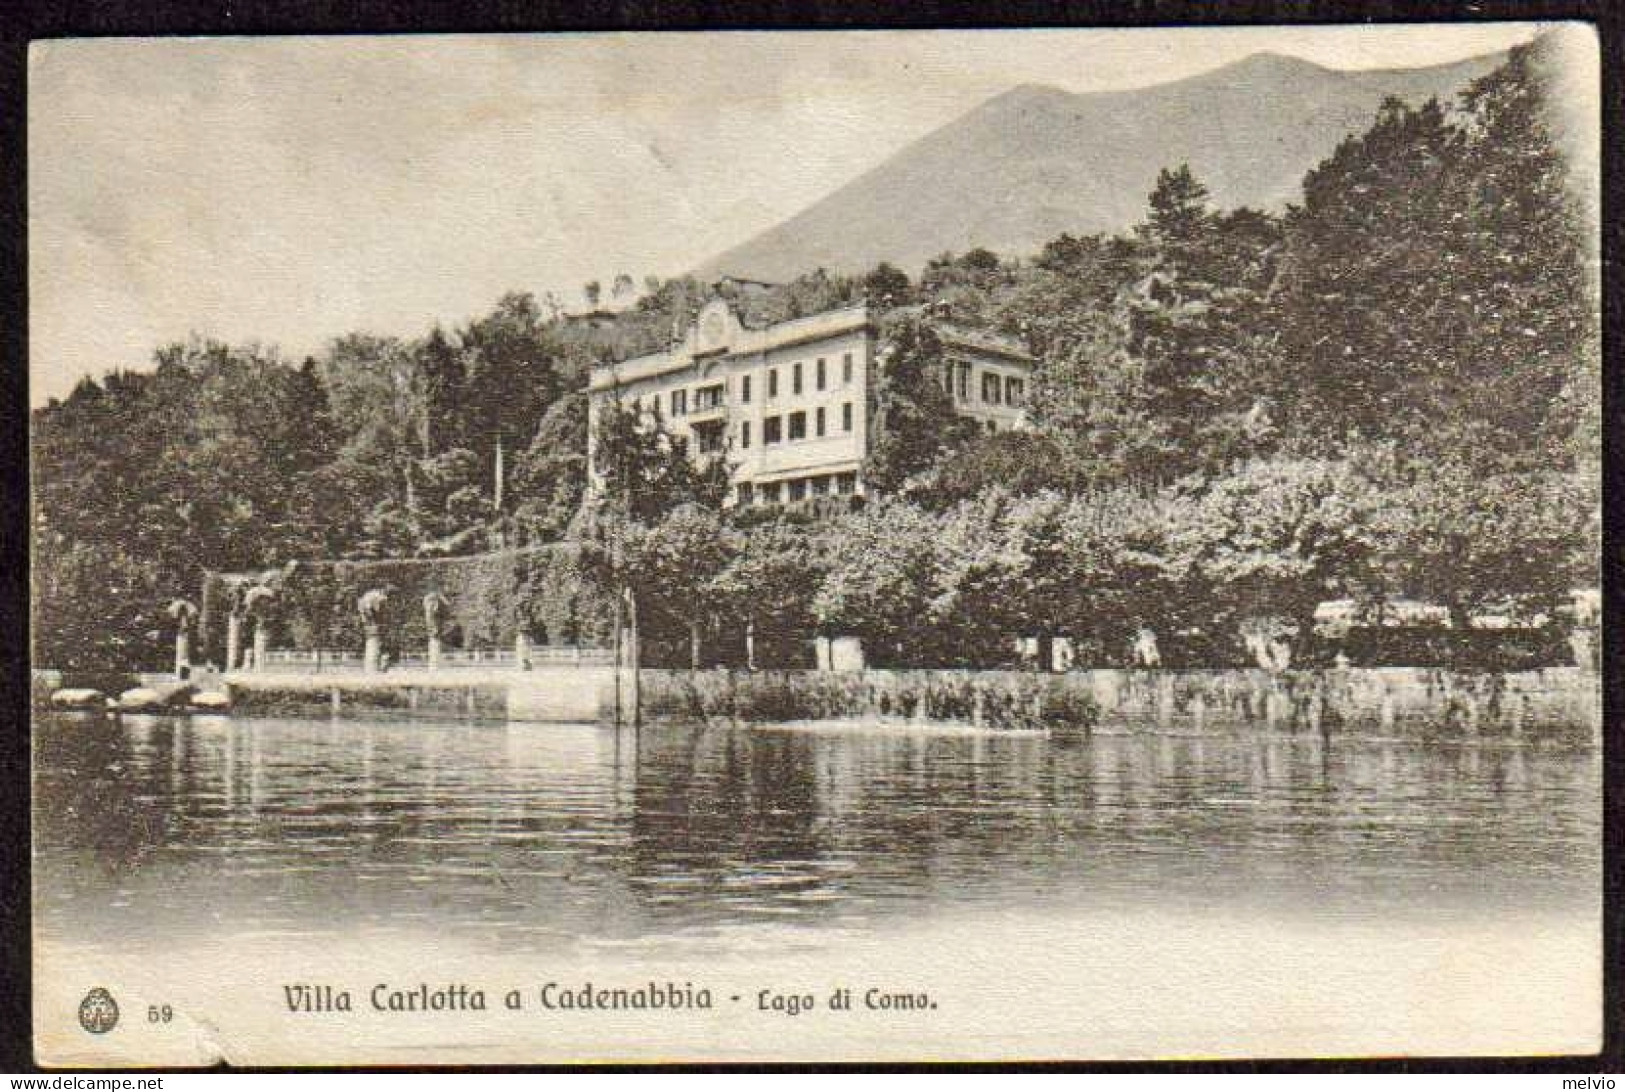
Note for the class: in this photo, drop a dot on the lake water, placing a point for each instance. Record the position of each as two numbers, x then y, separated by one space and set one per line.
155 836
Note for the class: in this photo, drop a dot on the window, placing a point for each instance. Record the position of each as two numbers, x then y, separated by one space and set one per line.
795 378
1014 391
846 368
772 384
820 485
770 430
819 377
679 403
846 416
798 425
990 388
798 489
948 379
746 495
964 382
744 434
710 440
819 424
744 389
770 493
846 484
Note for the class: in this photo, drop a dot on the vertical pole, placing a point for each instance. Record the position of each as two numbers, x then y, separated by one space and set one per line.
637 662
498 490
619 658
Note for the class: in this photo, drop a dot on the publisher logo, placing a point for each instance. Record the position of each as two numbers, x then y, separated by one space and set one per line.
98 1012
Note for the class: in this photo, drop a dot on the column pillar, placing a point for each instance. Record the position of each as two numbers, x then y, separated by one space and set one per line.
183 651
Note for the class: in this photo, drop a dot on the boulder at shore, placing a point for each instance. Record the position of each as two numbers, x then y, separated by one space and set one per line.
78 697
210 700
140 700
156 699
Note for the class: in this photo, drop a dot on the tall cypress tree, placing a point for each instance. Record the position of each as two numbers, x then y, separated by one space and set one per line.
1192 326
444 377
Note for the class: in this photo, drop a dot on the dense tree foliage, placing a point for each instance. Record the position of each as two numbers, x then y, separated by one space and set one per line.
913 424
1390 390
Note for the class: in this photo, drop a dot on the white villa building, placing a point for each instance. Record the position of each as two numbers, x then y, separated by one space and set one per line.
790 401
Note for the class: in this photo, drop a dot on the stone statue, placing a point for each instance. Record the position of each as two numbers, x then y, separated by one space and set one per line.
371 606
434 612
1145 649
434 618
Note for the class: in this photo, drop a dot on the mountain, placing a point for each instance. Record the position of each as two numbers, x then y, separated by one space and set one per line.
1036 161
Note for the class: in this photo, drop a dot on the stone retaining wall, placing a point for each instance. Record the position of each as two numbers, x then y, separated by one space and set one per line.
1387 701
999 700
1556 703
1553 703
545 694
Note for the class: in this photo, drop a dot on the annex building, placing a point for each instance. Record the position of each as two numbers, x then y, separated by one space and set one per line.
789 402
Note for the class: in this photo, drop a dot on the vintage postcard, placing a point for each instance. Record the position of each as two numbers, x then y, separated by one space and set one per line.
816 547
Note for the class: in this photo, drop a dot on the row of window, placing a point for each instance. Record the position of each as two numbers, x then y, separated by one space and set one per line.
997 389
774 429
797 374
710 397
704 398
799 489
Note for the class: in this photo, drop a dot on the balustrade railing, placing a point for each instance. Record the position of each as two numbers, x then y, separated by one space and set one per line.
322 661
316 660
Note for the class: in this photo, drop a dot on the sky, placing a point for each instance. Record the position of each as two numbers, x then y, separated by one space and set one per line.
286 191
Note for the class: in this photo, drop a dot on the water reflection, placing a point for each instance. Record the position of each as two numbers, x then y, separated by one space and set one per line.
546 835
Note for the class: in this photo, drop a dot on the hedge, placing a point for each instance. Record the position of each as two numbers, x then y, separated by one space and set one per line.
490 599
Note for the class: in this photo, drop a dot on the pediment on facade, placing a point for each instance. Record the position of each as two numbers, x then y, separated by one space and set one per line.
715 328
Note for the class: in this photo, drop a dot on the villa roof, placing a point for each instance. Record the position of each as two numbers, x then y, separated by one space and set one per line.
754 333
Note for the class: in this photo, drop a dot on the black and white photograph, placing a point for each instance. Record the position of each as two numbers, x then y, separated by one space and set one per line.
864 546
